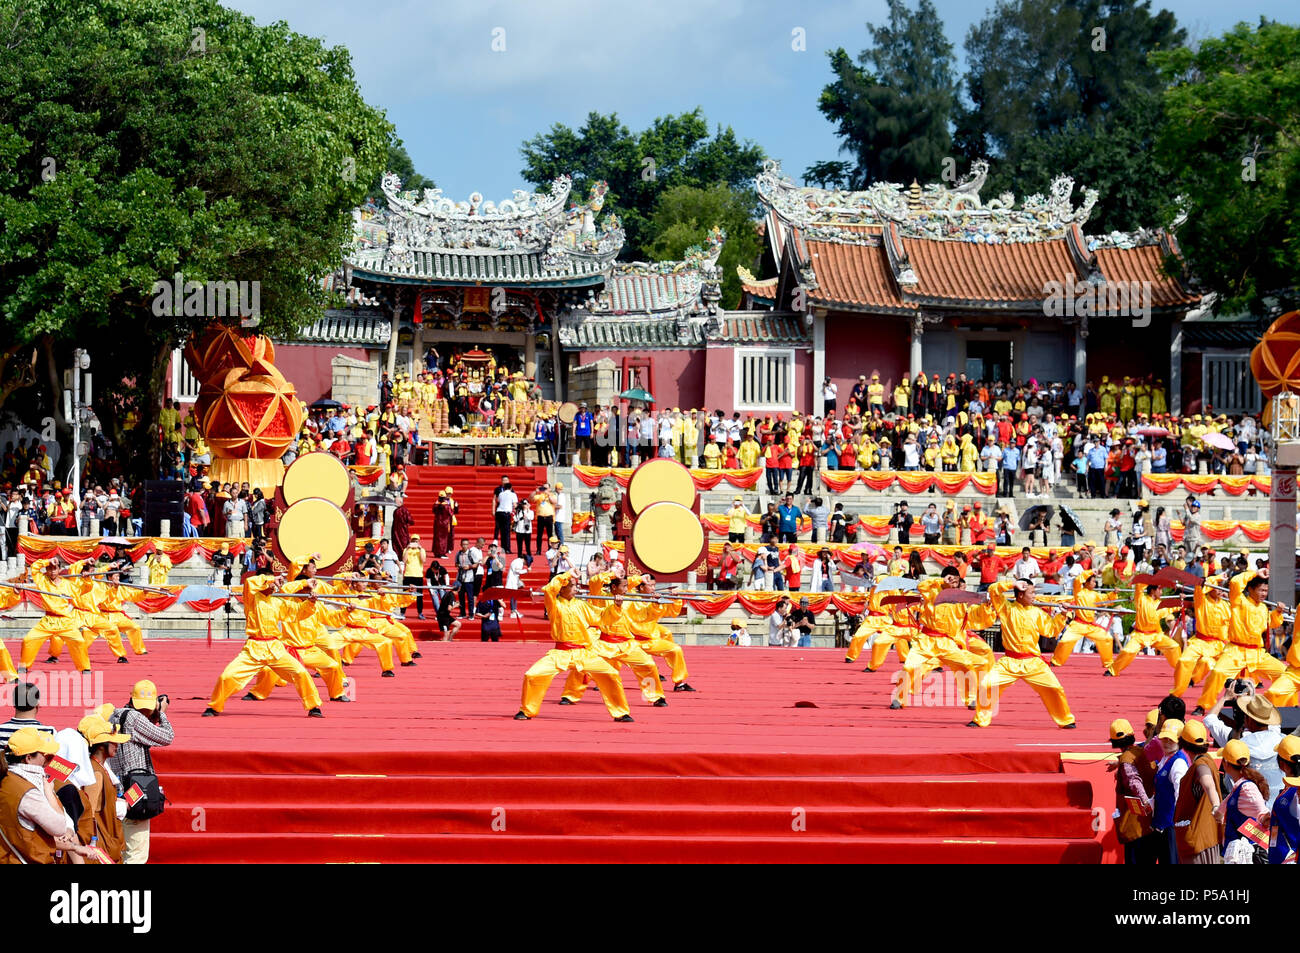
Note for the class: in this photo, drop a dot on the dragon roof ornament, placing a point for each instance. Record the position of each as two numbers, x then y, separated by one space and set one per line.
934 211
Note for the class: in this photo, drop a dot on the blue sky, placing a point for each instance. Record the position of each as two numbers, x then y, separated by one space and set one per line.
463 108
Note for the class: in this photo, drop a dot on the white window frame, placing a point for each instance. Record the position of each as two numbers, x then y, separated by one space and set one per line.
742 353
180 375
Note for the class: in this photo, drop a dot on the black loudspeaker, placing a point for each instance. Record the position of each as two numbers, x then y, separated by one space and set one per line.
1290 719
163 501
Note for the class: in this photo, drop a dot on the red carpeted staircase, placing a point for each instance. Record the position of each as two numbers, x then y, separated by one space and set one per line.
511 807
473 488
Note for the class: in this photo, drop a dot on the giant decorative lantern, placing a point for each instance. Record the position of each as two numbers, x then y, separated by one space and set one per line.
1275 362
247 412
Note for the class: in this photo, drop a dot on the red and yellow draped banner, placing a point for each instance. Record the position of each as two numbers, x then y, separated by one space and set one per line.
913 481
1254 530
368 476
704 479
72 548
1162 483
581 522
762 602
150 603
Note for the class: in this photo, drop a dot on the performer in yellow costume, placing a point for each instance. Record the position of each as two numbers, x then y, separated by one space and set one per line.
301 629
1285 690
160 566
617 645
359 629
880 629
1023 624
112 605
263 617
1204 648
941 640
89 596
653 638
8 599
1085 625
1147 632
1249 623
570 620
61 619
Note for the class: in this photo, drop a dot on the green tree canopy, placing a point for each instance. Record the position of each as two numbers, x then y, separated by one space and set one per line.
684 216
1232 145
139 138
892 108
639 167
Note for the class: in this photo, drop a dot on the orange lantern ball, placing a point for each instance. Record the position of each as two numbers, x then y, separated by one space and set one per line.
1275 361
222 348
257 415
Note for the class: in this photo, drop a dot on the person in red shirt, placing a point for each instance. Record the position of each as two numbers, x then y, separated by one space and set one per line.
990 565
807 461
771 461
731 462
979 527
785 463
848 456
728 568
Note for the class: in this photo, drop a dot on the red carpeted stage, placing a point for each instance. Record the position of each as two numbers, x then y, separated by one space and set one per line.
429 766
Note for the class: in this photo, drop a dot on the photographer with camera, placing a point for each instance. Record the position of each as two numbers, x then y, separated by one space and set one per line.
1255 722
145 719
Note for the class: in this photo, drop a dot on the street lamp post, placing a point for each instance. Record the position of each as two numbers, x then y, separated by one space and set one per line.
1284 458
80 410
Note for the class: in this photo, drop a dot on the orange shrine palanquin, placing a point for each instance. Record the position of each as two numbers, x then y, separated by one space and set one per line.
247 411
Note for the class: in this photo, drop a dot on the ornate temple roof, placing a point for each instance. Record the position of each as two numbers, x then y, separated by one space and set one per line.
356 328
536 239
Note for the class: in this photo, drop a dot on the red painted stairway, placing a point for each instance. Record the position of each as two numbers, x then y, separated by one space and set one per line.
473 488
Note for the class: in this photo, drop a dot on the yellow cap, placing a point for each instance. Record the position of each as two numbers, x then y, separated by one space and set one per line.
1236 752
28 740
1193 733
97 731
1288 750
1120 728
144 695
1171 729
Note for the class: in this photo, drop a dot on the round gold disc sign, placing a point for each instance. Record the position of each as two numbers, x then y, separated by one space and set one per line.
314 526
318 474
667 538
660 481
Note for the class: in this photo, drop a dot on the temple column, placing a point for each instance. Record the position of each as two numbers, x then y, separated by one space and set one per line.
392 342
530 356
918 333
1175 393
1081 354
819 360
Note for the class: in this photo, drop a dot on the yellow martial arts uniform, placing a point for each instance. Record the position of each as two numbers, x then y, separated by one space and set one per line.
112 604
88 597
360 629
8 599
940 641
878 628
1147 632
619 647
262 648
570 619
1248 622
160 566
1285 690
653 638
61 620
1204 648
1022 627
300 628
1085 626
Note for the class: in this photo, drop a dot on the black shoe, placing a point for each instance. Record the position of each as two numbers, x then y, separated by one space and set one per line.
250 697
1198 710
661 703
625 718
683 687
210 713
315 713
849 661
1107 674
895 705
123 660
520 716
566 701
868 669
420 616
341 698
417 655
52 659
408 663
1073 724
390 674
347 664
972 724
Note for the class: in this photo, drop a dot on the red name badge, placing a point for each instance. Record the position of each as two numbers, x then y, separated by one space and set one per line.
1253 832
59 768
133 794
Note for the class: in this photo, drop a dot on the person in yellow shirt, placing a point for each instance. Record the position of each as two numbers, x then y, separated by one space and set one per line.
263 648
61 619
1250 624
301 631
571 620
1023 624
941 639
360 628
1285 690
8 599
880 629
712 456
94 600
413 559
160 567
1106 395
1147 632
737 521
654 639
875 394
617 645
749 452
1204 648
949 454
1085 625
969 454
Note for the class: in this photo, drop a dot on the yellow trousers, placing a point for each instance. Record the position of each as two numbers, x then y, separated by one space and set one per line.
880 638
51 627
96 626
1096 634
1196 662
313 658
402 639
538 679
670 652
7 670
1137 641
1032 670
928 654
618 654
862 636
1285 690
252 659
981 648
355 638
131 628
1238 660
